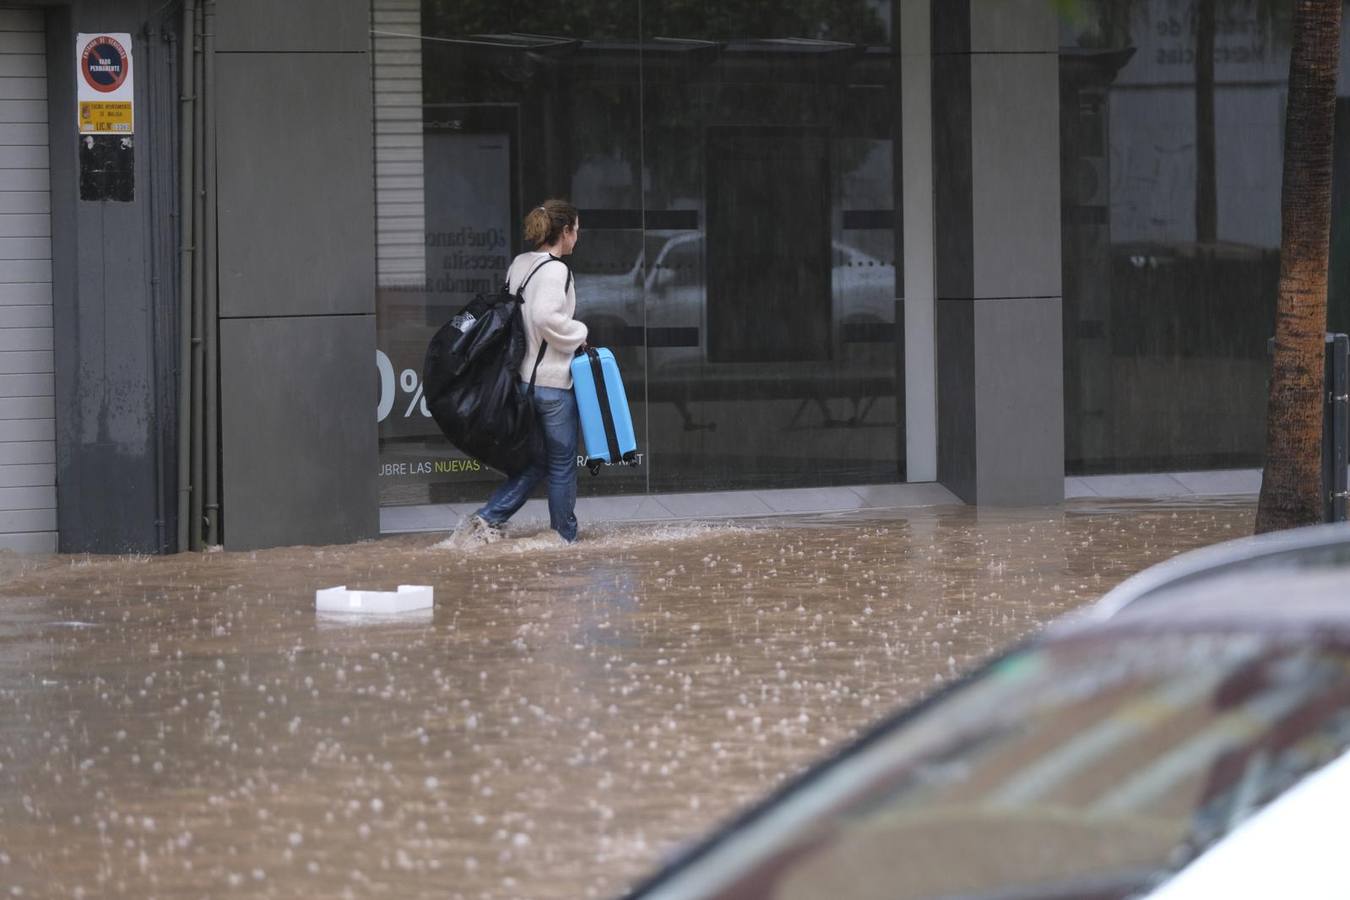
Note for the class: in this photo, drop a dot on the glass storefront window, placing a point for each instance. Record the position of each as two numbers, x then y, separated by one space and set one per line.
735 170
1170 180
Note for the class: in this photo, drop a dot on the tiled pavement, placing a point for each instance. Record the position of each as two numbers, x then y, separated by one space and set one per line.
756 504
1231 482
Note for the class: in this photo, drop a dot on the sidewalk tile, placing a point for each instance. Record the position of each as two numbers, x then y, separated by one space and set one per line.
788 501
898 496
718 505
805 500
1135 486
609 509
652 510
1077 487
1232 481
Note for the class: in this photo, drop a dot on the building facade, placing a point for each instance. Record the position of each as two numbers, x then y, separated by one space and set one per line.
984 242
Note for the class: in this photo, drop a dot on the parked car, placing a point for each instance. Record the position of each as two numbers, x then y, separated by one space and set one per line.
1186 737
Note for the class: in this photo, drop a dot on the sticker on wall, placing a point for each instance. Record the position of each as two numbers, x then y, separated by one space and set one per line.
107 167
106 85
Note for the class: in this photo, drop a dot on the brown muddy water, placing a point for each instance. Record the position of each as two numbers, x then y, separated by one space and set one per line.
567 717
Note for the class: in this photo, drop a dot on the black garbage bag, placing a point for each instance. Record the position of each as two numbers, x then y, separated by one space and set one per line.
471 377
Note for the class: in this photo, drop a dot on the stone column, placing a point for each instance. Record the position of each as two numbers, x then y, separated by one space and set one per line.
997 224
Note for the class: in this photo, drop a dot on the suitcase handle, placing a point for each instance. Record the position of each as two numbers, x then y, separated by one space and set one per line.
606 413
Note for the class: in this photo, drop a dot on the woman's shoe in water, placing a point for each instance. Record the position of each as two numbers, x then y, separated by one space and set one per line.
478 530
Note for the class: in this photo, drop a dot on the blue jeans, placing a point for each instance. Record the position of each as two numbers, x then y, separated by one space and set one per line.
557 415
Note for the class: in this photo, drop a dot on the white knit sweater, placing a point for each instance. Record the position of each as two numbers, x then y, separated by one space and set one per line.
549 305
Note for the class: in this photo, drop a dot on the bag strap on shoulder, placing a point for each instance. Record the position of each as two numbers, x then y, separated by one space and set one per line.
520 291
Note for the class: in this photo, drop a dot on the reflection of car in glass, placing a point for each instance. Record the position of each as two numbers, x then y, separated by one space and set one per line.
663 307
1184 738
672 291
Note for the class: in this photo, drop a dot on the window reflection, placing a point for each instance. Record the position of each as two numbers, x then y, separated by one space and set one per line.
778 362
734 167
1172 128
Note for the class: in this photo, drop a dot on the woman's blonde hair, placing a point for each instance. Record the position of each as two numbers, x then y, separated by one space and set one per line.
545 223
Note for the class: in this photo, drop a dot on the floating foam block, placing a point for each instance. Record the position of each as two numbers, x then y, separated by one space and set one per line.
408 598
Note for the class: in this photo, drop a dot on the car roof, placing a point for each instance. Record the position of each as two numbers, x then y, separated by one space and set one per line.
1294 579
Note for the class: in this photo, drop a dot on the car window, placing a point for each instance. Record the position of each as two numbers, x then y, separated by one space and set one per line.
681 263
1088 768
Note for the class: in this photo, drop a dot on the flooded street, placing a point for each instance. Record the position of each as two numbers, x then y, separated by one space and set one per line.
188 727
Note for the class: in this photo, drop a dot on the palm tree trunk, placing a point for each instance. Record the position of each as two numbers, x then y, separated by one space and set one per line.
1291 487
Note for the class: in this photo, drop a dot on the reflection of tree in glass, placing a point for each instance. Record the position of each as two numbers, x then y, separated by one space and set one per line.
1109 26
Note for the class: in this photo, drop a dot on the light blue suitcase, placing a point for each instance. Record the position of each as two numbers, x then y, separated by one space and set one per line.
606 424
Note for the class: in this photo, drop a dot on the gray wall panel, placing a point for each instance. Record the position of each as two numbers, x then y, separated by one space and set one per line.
1019 401
296 25
997 252
103 297
88 510
298 431
1015 175
297 219
952 185
956 397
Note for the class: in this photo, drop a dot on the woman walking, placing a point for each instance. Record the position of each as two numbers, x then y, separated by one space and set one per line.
550 302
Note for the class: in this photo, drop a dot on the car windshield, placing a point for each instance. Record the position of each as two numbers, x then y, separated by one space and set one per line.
1084 768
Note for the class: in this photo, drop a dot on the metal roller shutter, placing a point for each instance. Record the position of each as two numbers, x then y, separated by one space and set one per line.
27 388
399 191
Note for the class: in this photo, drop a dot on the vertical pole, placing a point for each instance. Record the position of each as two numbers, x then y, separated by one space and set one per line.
186 167
1334 428
210 412
198 287
920 355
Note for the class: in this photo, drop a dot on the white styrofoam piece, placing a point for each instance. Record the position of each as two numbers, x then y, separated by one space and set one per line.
408 598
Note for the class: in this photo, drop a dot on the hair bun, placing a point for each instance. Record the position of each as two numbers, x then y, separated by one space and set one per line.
544 224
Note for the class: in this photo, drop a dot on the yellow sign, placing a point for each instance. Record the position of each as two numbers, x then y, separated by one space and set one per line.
97 117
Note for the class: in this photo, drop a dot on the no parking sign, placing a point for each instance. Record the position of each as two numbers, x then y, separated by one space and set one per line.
106 86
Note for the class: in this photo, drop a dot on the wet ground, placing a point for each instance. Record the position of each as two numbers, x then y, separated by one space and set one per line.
188 727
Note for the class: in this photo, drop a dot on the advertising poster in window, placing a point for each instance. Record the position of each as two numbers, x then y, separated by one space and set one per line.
467 245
